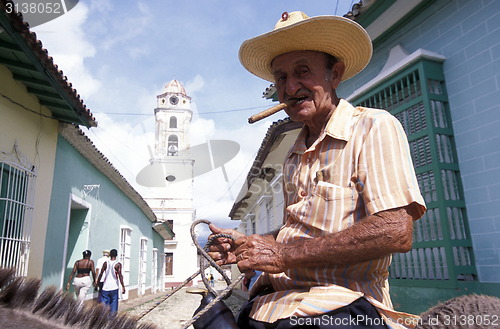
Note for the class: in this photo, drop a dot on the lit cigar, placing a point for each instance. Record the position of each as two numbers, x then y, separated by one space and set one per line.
264 114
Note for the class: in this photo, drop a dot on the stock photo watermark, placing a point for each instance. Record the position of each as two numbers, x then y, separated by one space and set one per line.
37 12
448 320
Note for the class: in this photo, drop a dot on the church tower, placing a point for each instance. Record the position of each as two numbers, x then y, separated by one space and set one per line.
172 119
169 178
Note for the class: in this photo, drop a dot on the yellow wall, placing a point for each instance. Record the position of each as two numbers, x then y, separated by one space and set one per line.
36 138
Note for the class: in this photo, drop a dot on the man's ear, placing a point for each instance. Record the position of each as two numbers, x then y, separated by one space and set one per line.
337 74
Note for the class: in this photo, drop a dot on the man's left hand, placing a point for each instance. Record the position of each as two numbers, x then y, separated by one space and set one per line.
260 253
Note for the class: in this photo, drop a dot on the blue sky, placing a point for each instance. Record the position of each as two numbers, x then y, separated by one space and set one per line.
120 54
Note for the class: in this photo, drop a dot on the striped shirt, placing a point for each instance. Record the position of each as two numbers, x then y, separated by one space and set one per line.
359 165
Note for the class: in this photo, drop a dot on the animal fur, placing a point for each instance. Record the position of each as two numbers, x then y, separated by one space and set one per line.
22 307
468 311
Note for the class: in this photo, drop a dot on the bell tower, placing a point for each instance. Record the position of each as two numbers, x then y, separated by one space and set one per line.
172 120
169 181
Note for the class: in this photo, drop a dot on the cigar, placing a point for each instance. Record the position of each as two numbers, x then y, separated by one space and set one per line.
264 114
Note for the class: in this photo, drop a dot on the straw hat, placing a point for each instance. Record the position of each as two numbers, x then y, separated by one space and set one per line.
335 35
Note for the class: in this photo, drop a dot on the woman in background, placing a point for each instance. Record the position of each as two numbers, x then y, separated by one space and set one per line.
82 283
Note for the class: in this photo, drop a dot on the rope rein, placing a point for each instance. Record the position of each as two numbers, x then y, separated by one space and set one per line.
203 265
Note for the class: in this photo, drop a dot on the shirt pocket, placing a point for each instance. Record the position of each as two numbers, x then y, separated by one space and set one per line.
332 207
329 192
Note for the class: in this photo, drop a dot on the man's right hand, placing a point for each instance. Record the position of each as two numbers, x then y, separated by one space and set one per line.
222 249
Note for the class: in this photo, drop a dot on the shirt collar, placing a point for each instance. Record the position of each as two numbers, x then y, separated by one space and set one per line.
338 126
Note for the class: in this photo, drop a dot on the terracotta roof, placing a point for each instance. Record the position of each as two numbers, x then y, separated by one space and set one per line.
23 54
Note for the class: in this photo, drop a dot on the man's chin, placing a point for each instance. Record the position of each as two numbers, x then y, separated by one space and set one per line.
300 116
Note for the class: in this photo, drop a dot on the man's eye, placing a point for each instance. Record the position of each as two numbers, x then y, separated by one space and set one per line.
303 71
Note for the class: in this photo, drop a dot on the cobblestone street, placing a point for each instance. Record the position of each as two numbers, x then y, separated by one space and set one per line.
176 310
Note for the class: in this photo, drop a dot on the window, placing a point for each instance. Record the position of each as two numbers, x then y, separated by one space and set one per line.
265 213
143 257
154 272
269 212
169 263
173 122
124 255
442 250
17 180
250 224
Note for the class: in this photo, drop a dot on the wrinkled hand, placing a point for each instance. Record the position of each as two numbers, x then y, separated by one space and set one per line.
261 253
222 249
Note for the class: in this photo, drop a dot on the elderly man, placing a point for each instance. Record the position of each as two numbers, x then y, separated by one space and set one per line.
350 190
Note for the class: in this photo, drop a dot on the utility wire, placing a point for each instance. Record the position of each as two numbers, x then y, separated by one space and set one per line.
199 113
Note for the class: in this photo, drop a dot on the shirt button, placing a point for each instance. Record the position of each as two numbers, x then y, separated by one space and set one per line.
303 193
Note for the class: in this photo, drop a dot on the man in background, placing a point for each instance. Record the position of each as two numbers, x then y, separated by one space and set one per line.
112 273
100 262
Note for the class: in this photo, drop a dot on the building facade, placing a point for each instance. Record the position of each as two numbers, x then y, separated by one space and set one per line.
168 180
34 98
93 207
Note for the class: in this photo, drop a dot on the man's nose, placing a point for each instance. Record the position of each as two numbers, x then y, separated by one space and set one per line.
292 86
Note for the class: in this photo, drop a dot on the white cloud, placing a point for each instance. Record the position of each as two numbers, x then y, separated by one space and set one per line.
66 41
119 56
100 5
138 52
195 85
131 25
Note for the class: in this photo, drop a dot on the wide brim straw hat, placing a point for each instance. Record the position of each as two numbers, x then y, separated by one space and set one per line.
339 36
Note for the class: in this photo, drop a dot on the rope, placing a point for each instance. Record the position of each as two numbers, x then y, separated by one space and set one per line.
203 251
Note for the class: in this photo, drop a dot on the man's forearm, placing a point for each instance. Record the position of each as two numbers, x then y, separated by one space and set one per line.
120 276
374 237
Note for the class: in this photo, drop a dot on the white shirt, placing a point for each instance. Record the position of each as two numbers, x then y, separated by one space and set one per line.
101 262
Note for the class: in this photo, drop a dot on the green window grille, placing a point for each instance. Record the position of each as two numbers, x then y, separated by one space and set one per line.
442 250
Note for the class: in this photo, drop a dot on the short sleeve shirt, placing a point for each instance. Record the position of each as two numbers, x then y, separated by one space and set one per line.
360 165
100 263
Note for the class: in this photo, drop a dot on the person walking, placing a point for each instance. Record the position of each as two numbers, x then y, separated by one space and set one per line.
81 271
111 272
100 263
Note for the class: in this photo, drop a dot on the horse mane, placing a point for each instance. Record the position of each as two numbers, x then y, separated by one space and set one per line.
22 307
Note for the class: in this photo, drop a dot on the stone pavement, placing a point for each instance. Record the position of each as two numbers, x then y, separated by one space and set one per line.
176 310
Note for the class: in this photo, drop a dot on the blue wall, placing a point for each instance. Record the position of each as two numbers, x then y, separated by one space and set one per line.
467 33
109 208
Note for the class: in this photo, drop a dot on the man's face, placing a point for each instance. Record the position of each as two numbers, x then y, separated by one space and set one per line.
304 83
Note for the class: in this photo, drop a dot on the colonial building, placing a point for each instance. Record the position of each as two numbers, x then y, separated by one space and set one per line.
34 98
169 180
59 195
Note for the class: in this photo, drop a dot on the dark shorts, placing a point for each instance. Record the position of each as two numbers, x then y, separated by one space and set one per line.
360 314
